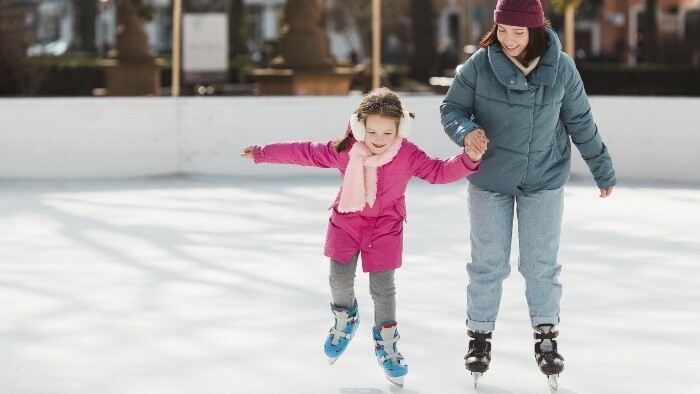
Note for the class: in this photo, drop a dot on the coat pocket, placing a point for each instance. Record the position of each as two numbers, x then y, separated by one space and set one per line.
401 209
335 204
560 143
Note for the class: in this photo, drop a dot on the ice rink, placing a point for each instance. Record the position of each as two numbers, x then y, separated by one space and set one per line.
201 284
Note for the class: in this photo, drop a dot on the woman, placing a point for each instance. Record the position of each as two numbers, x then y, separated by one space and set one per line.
527 96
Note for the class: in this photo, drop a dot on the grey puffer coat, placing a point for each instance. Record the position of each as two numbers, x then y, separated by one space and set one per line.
530 121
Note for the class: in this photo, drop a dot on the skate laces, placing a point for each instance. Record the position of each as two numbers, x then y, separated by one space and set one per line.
389 337
479 345
341 323
547 345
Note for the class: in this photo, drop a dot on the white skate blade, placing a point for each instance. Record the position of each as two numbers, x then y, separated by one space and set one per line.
397 381
476 376
553 382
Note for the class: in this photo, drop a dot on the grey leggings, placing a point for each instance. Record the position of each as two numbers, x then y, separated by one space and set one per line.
381 287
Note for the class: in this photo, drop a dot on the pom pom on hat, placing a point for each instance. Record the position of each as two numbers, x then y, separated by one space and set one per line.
522 13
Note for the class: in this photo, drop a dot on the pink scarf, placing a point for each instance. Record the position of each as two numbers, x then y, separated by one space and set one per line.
360 181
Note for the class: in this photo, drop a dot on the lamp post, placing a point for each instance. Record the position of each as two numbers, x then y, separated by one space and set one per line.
177 42
569 32
376 43
466 25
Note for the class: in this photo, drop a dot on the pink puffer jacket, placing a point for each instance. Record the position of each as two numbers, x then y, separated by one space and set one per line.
376 231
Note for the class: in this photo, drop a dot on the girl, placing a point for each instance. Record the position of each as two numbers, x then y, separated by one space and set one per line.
376 161
526 95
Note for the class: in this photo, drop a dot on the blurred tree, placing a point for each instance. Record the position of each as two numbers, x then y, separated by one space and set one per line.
424 54
9 52
568 8
85 13
130 68
302 43
131 39
408 28
650 40
238 30
142 8
395 18
18 76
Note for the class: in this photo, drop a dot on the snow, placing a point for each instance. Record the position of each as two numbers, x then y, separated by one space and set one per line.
201 284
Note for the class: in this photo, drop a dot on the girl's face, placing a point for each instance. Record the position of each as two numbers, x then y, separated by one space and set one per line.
381 133
513 39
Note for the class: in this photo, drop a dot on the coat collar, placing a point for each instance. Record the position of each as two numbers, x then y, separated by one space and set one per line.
511 77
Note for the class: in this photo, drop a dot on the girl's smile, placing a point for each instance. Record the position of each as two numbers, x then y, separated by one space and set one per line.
381 132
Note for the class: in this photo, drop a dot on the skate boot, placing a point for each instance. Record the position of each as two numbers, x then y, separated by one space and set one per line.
339 336
389 358
550 362
479 356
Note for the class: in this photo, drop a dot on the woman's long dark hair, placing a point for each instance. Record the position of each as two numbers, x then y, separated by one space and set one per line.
536 46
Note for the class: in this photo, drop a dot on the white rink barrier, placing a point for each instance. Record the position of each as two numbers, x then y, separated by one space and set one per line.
650 138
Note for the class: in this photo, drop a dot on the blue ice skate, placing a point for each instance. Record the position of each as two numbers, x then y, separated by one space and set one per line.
389 358
339 336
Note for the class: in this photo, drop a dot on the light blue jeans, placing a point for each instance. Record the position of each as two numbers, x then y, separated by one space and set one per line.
539 228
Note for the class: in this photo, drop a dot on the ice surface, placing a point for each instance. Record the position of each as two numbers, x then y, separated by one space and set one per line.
219 285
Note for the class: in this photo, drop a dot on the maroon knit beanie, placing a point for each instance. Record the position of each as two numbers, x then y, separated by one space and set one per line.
522 13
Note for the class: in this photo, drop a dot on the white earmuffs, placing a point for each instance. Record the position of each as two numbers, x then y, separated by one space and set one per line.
359 132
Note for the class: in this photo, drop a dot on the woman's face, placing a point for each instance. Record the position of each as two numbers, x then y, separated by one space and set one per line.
381 133
513 39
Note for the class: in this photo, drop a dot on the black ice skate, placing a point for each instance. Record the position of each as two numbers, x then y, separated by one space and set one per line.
479 356
550 362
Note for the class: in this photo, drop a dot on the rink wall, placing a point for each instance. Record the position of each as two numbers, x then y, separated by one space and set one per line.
650 138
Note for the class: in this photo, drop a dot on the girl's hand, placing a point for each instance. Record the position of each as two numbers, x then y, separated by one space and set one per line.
247 152
475 143
605 191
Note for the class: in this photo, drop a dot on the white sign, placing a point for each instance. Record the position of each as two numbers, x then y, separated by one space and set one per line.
205 47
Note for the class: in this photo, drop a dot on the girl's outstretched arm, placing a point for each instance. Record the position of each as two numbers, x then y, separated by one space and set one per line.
442 171
301 153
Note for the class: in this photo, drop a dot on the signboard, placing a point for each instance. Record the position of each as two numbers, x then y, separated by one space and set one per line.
205 47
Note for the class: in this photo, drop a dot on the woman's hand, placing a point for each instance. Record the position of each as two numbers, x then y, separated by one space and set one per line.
605 191
247 152
475 143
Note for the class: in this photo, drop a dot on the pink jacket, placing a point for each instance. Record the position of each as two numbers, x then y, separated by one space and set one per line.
376 231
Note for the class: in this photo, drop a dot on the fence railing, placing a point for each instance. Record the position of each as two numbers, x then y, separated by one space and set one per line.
650 138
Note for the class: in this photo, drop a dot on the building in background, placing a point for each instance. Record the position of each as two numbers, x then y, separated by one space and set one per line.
606 30
614 30
49 24
18 21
